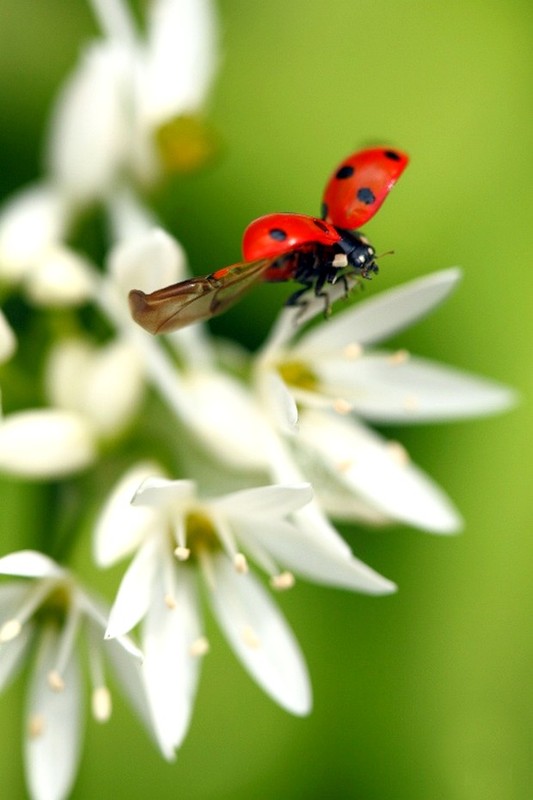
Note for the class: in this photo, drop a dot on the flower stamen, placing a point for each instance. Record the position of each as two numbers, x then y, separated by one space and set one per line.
170 601
36 726
399 357
342 406
283 581
199 647
10 630
101 703
398 453
12 627
55 680
182 553
344 466
240 563
352 351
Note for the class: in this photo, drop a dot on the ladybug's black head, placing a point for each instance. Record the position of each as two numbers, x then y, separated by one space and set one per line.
359 252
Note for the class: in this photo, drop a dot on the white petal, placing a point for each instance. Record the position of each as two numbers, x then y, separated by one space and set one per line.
180 58
97 614
60 277
381 315
30 564
375 471
384 389
53 726
8 343
336 500
264 501
304 556
13 652
135 590
346 508
116 387
129 677
88 137
13 655
286 470
261 638
311 519
105 384
66 370
45 443
160 492
121 527
280 402
12 596
30 222
292 318
148 261
115 20
225 417
170 670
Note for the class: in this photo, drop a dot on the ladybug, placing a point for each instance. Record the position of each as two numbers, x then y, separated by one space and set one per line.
281 247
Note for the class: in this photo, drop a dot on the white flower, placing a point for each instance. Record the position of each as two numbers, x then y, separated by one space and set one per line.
331 375
126 87
88 138
176 537
103 384
31 221
102 136
48 610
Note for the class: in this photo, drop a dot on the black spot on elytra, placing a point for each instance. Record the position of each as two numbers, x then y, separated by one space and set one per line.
321 225
345 172
392 155
366 196
278 234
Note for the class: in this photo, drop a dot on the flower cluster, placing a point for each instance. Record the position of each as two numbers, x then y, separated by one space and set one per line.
244 461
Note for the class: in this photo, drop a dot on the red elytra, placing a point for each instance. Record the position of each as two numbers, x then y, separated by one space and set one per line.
359 185
274 235
281 247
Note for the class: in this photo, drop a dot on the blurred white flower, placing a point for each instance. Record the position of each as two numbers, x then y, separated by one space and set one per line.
31 221
48 611
175 537
126 87
316 385
88 136
103 136
105 384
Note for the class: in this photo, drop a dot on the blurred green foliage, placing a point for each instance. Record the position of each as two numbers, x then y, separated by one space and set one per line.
426 694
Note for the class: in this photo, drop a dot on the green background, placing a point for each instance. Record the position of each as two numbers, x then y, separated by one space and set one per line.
426 694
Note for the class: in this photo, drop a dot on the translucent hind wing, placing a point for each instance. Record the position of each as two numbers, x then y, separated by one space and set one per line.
196 299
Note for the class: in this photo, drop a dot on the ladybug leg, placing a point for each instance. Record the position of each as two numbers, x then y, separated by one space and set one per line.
296 299
299 300
343 279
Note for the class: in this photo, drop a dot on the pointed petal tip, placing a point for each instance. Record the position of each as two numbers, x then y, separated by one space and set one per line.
385 588
451 524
